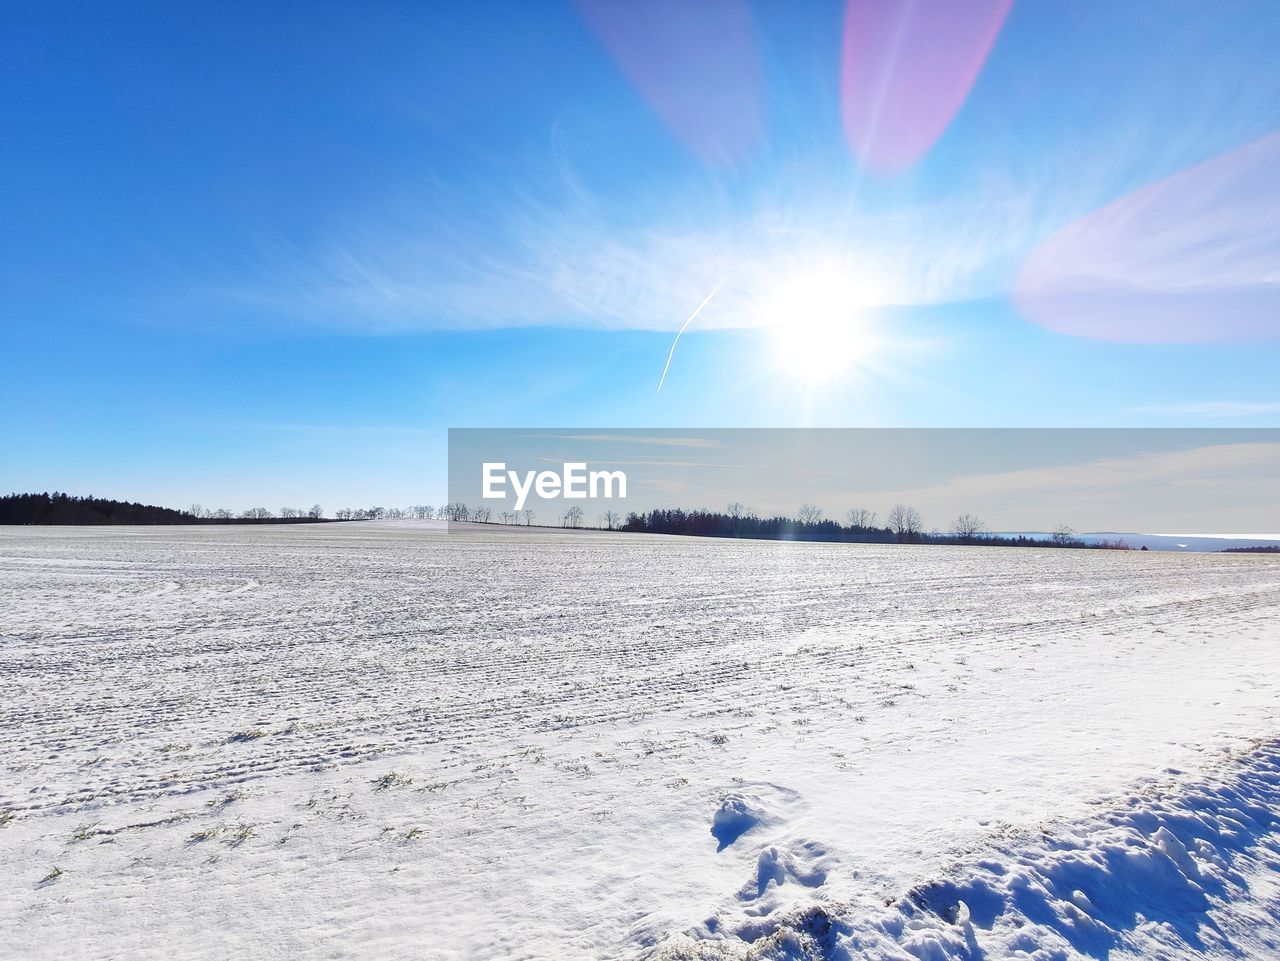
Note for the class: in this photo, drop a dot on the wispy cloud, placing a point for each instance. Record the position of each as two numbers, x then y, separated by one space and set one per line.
1217 487
1118 473
1193 257
571 264
1212 408
668 441
371 430
555 245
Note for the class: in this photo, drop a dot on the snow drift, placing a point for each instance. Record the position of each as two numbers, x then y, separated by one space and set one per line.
1170 871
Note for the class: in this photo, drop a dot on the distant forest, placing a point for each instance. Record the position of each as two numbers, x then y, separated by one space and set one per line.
67 509
1269 549
903 526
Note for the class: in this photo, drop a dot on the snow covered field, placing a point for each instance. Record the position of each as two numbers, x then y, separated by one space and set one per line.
385 741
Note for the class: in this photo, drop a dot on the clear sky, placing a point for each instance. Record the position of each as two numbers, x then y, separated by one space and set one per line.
267 253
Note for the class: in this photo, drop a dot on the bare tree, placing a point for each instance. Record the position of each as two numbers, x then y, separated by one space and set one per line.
611 519
809 514
197 511
316 512
482 515
287 513
861 517
528 516
1063 535
222 514
573 516
738 512
905 523
968 528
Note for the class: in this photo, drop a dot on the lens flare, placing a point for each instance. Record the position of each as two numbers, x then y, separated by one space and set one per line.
696 64
906 70
1191 258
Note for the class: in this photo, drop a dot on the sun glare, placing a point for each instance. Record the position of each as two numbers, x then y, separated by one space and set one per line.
818 327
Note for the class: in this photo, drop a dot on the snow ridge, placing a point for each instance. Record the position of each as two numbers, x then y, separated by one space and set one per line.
1170 871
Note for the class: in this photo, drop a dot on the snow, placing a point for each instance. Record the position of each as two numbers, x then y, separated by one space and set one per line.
1174 871
387 741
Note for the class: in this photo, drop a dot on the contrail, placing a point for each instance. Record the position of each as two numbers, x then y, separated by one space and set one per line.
685 326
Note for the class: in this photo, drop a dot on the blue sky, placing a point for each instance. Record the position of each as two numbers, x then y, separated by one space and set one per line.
269 253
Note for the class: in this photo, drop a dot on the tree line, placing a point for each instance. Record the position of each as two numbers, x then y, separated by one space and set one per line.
59 508
571 517
447 512
198 513
68 509
903 525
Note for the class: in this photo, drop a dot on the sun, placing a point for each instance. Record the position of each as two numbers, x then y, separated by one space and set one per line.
819 329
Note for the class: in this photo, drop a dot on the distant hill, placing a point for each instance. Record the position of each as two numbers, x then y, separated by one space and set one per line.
1162 542
66 509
